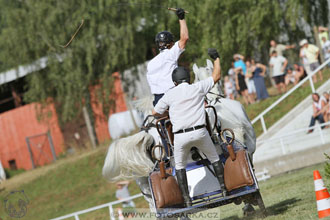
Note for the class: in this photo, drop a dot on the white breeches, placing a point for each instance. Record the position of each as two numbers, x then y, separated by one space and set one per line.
183 142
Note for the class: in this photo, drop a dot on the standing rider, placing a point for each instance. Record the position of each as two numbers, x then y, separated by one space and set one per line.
160 68
187 113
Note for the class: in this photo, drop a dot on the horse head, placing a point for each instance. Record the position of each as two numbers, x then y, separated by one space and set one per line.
231 113
202 73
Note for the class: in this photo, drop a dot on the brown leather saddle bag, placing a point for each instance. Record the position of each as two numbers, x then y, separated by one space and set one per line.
165 188
236 172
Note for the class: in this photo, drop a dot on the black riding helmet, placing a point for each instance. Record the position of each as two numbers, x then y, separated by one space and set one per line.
163 39
180 75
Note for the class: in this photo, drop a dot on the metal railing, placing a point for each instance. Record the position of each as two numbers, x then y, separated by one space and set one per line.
281 138
109 205
309 77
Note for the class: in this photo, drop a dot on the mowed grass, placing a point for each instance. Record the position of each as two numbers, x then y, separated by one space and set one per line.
284 107
74 184
69 185
287 196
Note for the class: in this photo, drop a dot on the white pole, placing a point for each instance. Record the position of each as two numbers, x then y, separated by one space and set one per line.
112 214
263 124
76 217
312 84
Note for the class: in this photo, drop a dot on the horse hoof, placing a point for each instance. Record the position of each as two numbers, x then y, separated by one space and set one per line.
248 210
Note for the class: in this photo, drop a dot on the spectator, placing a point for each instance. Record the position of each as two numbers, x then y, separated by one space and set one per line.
323 32
311 52
241 85
304 61
317 112
249 81
232 76
239 62
325 104
229 88
326 49
123 193
279 48
258 73
299 71
278 64
291 77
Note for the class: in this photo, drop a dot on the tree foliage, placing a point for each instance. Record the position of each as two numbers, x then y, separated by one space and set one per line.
118 35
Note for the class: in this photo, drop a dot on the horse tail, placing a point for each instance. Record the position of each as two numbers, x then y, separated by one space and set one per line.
127 158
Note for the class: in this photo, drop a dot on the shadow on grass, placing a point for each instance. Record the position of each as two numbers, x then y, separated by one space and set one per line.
281 207
276 209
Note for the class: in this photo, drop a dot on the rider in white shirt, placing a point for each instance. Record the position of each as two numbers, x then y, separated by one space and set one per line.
160 68
187 113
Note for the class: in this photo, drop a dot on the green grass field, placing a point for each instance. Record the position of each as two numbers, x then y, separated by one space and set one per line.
75 183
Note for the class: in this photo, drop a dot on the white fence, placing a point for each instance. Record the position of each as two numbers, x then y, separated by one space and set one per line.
309 77
109 205
297 140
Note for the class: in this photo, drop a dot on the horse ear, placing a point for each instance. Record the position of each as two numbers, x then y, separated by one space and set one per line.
196 70
209 64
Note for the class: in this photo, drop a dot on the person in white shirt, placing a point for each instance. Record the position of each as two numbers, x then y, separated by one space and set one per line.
317 112
229 88
187 113
280 48
326 49
160 68
311 52
278 64
325 106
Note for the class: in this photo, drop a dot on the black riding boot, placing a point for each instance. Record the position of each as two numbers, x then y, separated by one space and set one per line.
218 169
183 184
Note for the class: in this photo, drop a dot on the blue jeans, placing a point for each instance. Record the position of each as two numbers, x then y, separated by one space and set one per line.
317 118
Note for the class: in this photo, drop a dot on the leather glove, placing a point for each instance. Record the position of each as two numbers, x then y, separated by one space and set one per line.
180 13
213 53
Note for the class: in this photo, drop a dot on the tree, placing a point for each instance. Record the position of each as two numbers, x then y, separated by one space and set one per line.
118 35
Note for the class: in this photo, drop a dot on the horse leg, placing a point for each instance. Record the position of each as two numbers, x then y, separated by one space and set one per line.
143 183
248 209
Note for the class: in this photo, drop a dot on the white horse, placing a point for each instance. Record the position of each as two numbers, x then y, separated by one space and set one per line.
231 113
122 124
130 158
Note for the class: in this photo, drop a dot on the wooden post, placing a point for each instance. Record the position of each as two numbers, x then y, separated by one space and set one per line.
89 127
318 43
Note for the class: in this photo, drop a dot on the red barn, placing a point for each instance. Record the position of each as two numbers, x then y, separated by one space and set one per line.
25 141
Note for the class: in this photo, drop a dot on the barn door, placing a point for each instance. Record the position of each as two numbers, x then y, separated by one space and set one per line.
41 149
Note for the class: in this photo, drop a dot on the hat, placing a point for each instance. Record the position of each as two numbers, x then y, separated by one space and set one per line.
303 42
236 56
121 183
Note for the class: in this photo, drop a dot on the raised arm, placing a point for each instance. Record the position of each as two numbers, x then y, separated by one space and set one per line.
184 35
216 74
290 46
